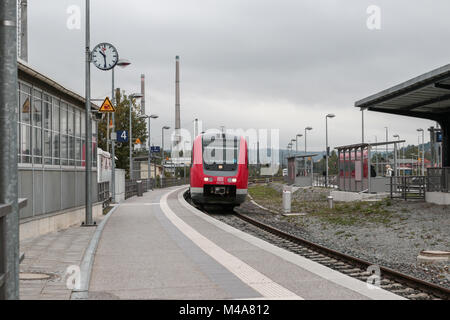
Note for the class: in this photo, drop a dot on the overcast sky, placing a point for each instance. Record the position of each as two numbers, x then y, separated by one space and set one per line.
280 64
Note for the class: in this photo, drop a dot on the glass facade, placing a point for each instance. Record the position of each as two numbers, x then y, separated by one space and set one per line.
51 130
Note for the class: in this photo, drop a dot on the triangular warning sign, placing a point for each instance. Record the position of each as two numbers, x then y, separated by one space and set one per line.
138 141
107 107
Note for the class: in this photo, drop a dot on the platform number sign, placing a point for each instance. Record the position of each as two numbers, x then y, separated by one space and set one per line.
122 136
156 149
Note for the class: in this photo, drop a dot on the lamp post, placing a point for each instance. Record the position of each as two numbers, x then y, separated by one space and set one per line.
149 160
331 116
88 160
132 97
306 149
398 138
296 144
387 140
162 150
121 63
423 150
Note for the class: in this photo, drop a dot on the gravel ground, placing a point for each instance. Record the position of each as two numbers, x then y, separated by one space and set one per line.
390 233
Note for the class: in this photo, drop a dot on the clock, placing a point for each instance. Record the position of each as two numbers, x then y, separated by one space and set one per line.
105 56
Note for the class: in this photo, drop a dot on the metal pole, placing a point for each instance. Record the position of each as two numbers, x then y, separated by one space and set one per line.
362 114
326 157
107 132
387 146
395 159
113 144
9 225
88 164
131 141
162 156
149 169
423 152
306 152
369 169
154 172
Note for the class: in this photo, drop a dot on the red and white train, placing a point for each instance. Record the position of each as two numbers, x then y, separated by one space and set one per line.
219 171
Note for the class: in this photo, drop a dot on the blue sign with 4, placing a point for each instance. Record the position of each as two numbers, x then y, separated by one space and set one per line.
122 136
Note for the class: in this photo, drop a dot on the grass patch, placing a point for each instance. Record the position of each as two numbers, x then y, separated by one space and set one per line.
343 214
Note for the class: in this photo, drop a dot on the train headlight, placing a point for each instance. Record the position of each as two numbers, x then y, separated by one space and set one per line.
208 179
232 180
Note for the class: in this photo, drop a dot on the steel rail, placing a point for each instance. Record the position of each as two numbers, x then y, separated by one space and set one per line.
412 282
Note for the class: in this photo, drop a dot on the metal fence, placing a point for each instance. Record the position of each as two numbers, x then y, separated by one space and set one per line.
408 187
148 184
320 181
438 180
104 196
266 179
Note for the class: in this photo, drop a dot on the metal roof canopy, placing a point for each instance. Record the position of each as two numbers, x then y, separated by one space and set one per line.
426 96
304 156
364 145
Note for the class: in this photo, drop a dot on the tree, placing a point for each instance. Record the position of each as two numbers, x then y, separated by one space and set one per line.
122 122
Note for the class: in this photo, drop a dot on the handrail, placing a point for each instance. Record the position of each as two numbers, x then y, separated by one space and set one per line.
5 209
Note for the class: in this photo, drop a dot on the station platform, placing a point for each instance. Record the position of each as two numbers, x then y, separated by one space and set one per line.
159 247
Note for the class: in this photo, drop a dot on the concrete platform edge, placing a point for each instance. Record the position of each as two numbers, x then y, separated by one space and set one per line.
88 260
314 267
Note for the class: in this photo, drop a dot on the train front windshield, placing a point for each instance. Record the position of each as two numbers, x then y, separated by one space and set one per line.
220 153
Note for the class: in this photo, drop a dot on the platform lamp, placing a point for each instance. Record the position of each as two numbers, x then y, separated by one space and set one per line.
296 144
292 141
329 116
423 150
149 160
132 97
398 138
121 63
306 150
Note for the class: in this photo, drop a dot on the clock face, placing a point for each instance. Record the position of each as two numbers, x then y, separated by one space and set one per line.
105 56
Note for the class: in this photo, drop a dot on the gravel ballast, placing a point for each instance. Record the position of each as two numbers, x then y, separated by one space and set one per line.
390 233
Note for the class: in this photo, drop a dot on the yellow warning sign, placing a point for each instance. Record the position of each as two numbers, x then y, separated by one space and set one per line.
107 107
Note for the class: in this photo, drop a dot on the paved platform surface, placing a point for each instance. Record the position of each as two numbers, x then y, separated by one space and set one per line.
157 247
52 254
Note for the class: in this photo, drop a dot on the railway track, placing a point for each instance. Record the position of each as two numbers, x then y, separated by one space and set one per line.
389 279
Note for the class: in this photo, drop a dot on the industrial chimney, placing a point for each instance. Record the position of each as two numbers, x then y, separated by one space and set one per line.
177 102
143 94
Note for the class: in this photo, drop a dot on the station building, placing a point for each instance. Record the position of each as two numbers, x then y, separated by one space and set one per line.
51 154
